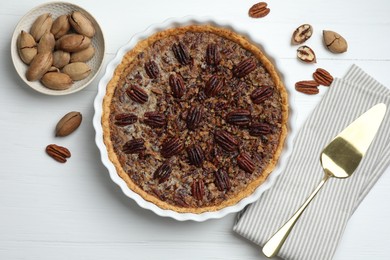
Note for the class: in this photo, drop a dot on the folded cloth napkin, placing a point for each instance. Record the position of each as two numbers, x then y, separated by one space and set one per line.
318 231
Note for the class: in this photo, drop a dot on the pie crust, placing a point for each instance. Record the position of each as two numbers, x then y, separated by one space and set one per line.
132 168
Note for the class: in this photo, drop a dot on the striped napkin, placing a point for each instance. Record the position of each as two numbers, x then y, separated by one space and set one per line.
318 231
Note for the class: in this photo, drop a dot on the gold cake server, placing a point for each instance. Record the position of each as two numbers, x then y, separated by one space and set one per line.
339 159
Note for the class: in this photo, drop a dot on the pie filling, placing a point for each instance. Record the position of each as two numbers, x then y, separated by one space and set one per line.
195 118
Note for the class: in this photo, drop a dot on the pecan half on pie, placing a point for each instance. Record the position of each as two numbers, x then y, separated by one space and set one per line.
194 118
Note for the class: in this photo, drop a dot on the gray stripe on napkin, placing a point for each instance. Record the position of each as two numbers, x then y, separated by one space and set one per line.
318 231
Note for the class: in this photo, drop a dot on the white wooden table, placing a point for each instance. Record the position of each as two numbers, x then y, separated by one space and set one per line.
73 211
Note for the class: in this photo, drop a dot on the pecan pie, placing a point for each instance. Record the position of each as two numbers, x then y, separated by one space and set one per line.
194 118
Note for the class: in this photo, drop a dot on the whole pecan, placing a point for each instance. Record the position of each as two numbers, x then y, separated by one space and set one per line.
176 83
245 162
137 94
244 67
259 10
163 172
221 180
259 129
240 117
181 53
171 147
155 119
194 116
309 87
213 56
197 189
226 141
134 146
152 69
125 119
261 94
214 85
68 123
322 77
195 155
58 153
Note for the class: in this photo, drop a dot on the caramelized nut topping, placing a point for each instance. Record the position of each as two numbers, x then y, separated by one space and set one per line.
213 56
137 94
221 180
244 68
125 119
181 53
163 172
171 147
195 155
134 146
177 85
226 141
245 162
214 86
155 119
259 129
194 117
240 117
151 69
197 189
261 94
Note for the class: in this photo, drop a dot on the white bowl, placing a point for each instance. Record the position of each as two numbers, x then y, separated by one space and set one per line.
171 23
56 9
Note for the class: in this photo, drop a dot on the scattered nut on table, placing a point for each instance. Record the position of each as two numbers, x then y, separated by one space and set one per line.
335 42
306 54
68 123
302 34
58 153
259 10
